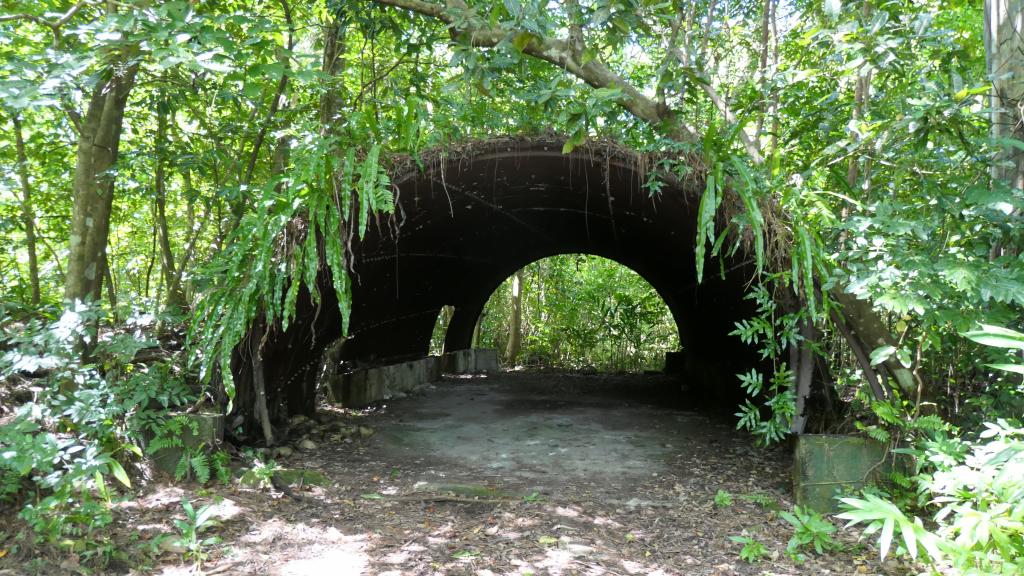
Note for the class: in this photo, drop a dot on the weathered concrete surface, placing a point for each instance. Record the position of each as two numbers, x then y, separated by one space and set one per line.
471 361
364 387
826 464
543 431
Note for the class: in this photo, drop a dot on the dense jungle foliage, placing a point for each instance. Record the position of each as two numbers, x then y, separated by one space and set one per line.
172 171
575 312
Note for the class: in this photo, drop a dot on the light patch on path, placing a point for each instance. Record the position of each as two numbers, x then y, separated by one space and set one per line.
513 431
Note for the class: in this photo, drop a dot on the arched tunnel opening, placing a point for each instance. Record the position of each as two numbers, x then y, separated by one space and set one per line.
573 312
468 218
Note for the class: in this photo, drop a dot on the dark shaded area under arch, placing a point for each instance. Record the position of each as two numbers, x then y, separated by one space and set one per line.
469 219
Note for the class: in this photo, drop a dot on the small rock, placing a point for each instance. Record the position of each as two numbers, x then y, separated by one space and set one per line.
298 420
365 431
307 445
172 544
399 395
283 452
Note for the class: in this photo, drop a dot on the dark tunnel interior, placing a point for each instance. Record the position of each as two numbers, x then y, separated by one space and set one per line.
471 218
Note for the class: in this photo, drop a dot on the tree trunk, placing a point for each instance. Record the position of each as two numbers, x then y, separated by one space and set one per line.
1004 41
28 216
865 325
98 143
515 323
175 303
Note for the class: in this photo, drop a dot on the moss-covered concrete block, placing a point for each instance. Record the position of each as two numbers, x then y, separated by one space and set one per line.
209 432
828 464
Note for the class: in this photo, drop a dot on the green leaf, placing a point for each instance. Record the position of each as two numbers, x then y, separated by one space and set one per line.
465 554
706 222
881 354
522 40
578 138
589 54
118 471
1015 368
996 336
909 538
885 540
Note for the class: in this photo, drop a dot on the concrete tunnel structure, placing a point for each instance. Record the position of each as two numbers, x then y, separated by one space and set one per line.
468 219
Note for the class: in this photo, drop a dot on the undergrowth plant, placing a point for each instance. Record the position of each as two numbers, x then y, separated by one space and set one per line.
752 550
261 474
198 461
65 451
772 332
810 530
190 533
969 511
723 499
974 508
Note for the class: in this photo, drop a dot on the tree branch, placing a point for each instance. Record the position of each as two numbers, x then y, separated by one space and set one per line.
53 25
753 150
556 51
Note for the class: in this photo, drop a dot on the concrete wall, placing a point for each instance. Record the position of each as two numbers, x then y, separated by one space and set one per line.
364 387
471 361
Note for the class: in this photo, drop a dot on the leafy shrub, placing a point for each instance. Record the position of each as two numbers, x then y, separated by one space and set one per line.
723 499
190 533
88 419
976 503
809 529
752 551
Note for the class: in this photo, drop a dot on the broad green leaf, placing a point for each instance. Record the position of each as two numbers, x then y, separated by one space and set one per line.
1015 368
881 354
118 471
522 40
996 336
885 540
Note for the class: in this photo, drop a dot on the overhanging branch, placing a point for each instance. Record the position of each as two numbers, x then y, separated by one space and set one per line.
559 52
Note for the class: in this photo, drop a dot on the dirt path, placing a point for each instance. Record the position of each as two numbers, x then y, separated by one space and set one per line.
516 474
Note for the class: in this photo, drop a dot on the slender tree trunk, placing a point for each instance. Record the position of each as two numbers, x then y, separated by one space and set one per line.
111 287
150 262
98 144
175 302
28 215
515 323
194 228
